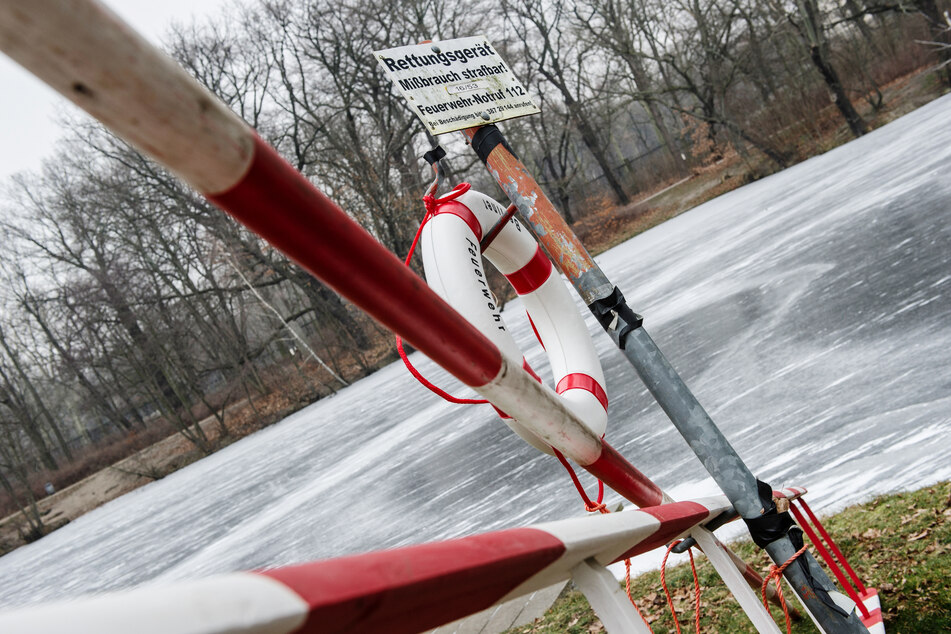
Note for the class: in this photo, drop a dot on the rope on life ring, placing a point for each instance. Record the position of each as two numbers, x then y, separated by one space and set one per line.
450 243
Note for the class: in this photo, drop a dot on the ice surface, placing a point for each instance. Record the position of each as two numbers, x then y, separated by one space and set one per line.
809 311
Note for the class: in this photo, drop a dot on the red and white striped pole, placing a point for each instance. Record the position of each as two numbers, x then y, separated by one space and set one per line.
89 55
398 591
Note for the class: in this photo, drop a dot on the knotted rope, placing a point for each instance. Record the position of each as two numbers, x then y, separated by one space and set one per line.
600 507
776 572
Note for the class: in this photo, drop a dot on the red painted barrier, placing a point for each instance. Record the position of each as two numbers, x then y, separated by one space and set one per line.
275 201
417 588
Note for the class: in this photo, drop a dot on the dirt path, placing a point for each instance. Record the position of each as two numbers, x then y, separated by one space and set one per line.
146 466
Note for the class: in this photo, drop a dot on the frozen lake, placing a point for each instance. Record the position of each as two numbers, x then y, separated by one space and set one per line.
810 312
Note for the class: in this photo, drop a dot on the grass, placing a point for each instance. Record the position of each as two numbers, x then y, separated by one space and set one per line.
898 543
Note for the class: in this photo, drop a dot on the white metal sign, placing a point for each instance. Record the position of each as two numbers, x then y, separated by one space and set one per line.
456 84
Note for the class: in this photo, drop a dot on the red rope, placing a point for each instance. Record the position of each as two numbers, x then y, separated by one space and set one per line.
696 585
776 572
433 388
627 588
431 205
829 559
589 506
602 508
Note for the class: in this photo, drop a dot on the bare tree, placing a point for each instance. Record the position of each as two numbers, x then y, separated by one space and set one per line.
14 464
609 24
811 27
564 61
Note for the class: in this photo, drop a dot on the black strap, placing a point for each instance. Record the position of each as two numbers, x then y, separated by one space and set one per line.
434 155
615 316
486 139
771 525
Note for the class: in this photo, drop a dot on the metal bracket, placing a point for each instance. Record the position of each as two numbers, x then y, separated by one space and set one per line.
615 316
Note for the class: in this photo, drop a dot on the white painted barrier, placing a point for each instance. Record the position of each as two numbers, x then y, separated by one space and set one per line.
404 590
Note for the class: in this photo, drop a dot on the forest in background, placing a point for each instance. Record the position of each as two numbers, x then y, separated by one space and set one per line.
132 309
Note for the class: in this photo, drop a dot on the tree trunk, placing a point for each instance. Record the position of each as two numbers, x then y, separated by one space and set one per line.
37 401
590 140
11 397
780 158
102 403
644 86
855 13
146 345
31 512
12 455
856 123
812 32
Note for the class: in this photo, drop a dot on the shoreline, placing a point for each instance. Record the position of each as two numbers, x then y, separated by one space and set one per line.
147 465
599 230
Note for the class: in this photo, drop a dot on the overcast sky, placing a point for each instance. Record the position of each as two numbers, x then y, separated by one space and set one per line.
29 110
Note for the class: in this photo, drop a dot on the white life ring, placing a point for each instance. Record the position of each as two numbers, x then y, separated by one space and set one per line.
453 267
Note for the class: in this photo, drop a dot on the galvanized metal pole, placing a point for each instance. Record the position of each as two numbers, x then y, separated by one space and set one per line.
751 499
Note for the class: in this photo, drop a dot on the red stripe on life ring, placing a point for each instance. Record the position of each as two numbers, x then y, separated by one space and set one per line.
531 276
535 330
874 618
458 209
529 369
581 381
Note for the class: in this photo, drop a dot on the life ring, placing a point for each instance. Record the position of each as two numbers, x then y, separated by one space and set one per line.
453 266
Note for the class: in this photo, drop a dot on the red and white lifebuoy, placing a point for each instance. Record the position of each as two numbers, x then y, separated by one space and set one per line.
451 259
